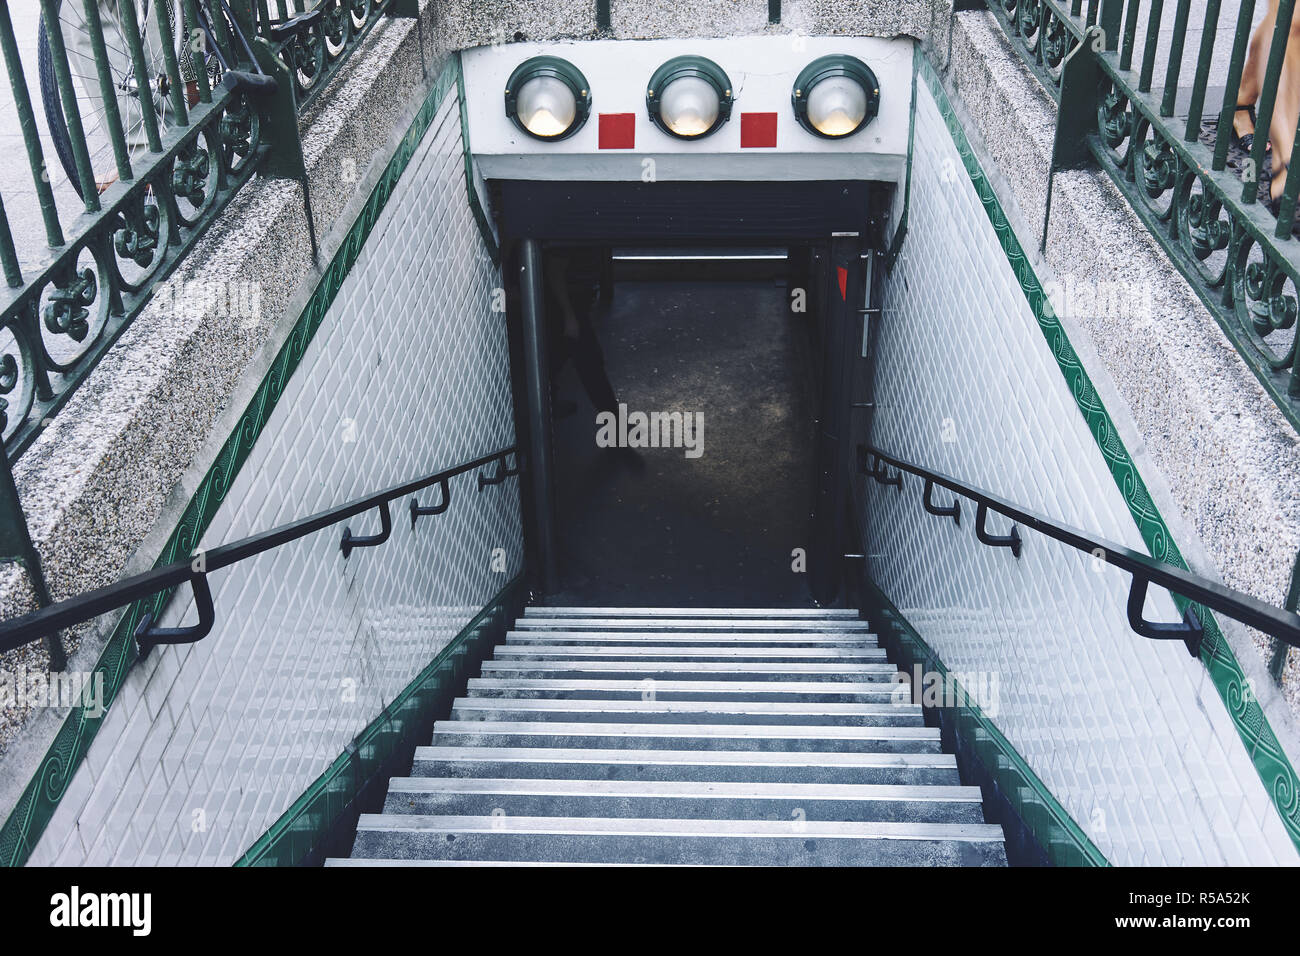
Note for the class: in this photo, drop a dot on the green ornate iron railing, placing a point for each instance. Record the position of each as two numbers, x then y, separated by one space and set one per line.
314 37
157 112
1202 196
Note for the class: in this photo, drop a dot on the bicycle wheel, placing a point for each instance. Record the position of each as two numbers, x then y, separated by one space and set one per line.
131 101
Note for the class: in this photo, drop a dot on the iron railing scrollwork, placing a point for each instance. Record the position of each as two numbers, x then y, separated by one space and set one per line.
48 621
314 37
1144 570
1172 166
158 112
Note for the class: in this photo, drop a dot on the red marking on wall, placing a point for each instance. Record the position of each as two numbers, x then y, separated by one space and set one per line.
844 282
617 130
757 130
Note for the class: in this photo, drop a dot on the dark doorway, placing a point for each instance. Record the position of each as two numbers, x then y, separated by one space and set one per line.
654 526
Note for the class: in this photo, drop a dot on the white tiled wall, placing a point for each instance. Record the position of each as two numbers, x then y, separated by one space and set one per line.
207 745
1129 734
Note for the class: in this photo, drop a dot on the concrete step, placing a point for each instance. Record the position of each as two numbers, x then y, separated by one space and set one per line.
691 639
706 765
722 842
641 736
689 712
540 652
682 670
361 862
762 625
694 612
682 799
682 736
685 690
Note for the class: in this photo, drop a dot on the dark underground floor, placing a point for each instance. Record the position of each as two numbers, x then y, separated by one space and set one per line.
717 530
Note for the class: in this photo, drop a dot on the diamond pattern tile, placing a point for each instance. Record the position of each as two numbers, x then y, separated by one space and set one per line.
409 373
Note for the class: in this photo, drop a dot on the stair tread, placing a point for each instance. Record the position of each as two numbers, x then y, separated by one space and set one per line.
659 826
770 758
636 729
631 653
786 638
685 706
775 667
692 612
688 624
687 788
671 686
367 862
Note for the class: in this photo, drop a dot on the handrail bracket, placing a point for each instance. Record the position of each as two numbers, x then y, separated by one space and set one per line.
502 473
351 541
1011 540
953 511
1190 630
147 636
418 511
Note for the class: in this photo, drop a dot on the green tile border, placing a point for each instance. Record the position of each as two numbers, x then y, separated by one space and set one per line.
900 233
475 202
25 824
380 750
1275 770
1060 836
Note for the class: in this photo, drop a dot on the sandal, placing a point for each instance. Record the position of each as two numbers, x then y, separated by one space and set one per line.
1247 142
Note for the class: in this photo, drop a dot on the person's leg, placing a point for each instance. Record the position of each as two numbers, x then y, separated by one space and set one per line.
1252 73
1286 111
589 363
588 359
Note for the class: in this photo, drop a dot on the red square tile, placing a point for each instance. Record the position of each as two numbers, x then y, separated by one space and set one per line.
617 130
758 130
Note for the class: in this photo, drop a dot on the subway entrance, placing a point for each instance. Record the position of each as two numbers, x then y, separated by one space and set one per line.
680 356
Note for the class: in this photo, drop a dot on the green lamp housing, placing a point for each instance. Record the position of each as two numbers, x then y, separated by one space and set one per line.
836 96
548 98
689 97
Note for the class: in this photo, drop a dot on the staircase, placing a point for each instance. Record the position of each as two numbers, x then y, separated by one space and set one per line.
682 736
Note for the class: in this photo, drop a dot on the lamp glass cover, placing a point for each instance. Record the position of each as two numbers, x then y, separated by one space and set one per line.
546 106
837 105
689 106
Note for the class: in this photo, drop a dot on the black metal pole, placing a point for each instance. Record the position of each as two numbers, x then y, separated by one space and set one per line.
540 452
841 300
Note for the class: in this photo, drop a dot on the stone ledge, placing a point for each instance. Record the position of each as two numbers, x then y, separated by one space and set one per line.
1221 461
470 23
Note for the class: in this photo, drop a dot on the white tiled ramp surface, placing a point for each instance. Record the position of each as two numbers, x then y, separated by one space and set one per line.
207 745
660 736
1129 734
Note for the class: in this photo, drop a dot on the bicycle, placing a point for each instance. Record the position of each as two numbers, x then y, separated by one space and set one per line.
195 47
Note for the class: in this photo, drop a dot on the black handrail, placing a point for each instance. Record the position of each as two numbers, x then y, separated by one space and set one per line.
1146 570
49 620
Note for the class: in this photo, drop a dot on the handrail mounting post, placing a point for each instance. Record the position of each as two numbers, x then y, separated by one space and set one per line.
351 541
1011 540
147 636
443 504
1189 630
953 511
